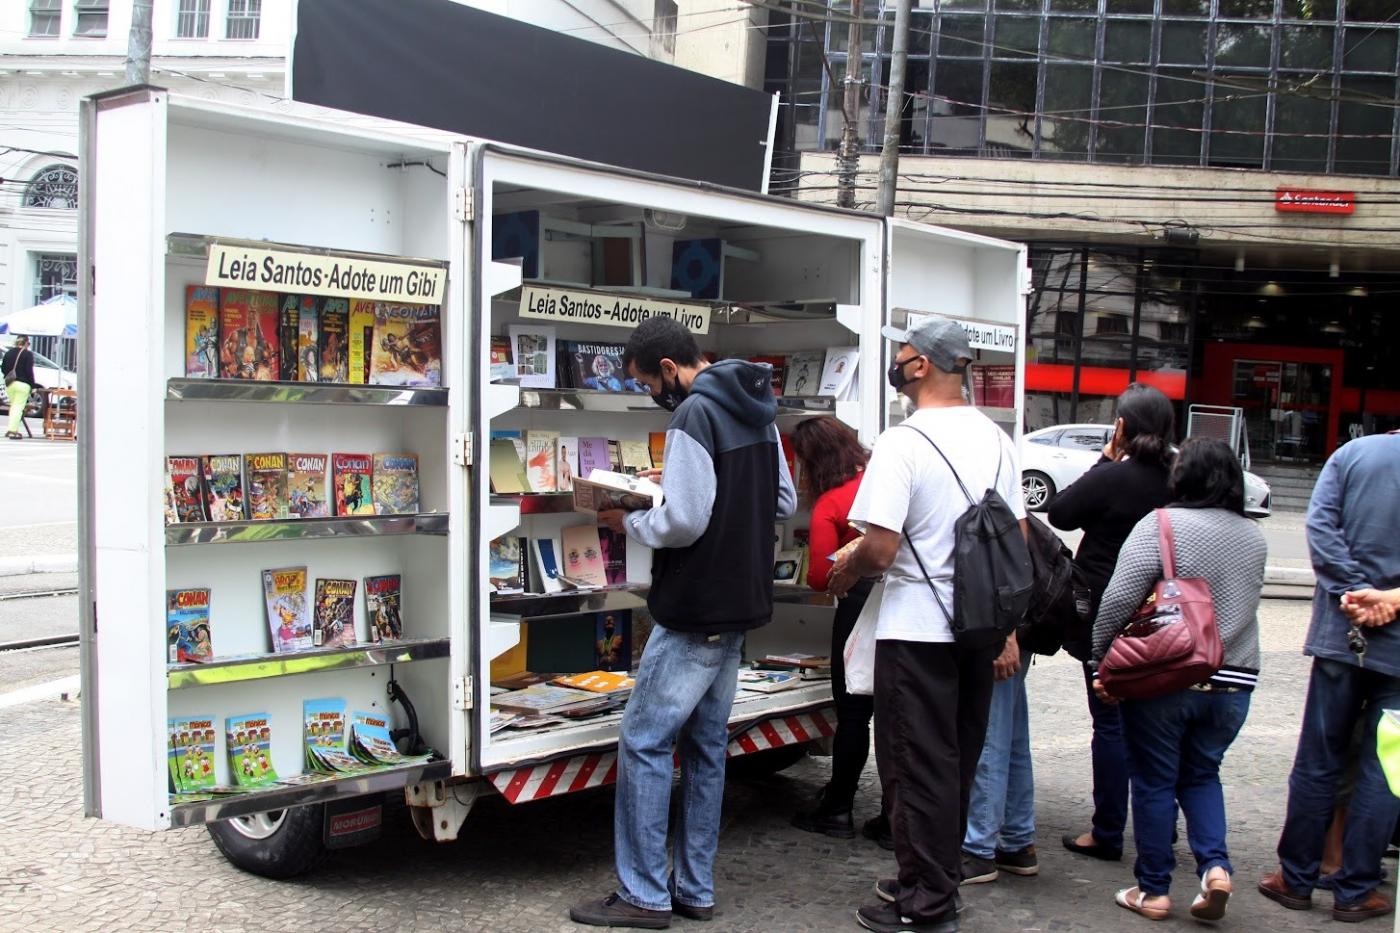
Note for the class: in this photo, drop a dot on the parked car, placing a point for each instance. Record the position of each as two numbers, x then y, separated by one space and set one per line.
1052 458
50 376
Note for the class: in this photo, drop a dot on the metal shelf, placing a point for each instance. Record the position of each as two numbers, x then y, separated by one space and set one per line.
182 534
536 503
622 596
280 797
259 667
180 389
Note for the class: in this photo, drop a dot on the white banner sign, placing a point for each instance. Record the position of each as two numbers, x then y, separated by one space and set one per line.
979 336
234 266
583 307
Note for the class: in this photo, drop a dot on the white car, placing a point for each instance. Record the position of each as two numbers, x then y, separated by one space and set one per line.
49 374
1052 458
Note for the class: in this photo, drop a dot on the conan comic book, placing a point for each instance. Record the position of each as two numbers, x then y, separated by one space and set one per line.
187 626
201 331
267 486
334 323
323 734
288 333
407 346
187 488
223 487
382 607
249 743
333 616
192 741
265 313
235 317
395 484
350 477
288 616
308 341
361 338
306 486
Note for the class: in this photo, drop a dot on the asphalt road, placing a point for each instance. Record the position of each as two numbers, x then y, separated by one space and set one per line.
38 497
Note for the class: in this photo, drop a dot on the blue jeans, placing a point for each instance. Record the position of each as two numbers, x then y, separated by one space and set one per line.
1001 814
1110 766
1338 695
1175 746
682 698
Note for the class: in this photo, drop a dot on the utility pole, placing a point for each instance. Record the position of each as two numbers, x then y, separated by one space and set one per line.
138 44
894 111
848 155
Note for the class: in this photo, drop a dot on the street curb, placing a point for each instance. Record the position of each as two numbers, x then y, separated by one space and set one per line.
1289 576
42 563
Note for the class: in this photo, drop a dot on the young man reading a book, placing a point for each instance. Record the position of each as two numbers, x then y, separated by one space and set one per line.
726 483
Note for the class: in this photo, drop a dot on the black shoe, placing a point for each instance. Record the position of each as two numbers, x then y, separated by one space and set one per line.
877 828
977 870
885 918
837 824
690 912
884 890
1097 850
1020 862
613 911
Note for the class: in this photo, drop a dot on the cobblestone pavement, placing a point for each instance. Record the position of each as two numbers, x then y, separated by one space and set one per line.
518 868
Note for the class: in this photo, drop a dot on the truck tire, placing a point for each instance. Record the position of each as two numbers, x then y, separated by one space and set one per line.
277 844
767 762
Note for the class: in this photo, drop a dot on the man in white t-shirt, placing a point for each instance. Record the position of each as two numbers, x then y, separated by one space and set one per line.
931 694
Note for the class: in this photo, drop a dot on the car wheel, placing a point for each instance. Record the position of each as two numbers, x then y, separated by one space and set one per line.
1037 489
278 844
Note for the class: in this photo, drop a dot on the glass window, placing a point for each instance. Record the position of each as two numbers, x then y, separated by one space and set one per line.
1072 38
1179 105
92 18
961 36
1046 409
54 274
1310 9
1369 50
1129 6
45 18
244 19
1308 47
964 4
1301 126
192 19
1029 5
54 187
1122 101
1370 11
1049 439
1237 129
957 107
1011 109
1370 126
1074 6
1127 41
1247 9
1186 7
1183 43
1016 37
1064 124
807 92
1084 438
1241 46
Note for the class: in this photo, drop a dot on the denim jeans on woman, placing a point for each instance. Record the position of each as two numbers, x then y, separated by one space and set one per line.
1175 746
682 698
1001 813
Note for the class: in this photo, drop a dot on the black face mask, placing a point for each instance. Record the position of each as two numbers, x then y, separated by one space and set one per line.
670 398
896 376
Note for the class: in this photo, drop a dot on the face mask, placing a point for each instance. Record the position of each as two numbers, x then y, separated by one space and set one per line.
670 398
896 376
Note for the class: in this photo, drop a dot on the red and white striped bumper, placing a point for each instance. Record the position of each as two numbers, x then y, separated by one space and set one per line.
580 772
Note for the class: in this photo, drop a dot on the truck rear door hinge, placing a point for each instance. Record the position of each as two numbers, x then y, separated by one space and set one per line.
462 693
463 204
462 449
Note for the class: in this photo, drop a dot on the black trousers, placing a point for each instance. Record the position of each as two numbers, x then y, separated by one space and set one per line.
851 746
931 703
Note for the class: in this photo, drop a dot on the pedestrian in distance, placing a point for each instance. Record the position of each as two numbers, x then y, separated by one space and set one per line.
726 482
1177 741
931 692
1128 482
1355 649
18 367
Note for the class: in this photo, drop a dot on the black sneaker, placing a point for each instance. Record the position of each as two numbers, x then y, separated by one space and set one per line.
613 911
838 825
886 918
691 912
1020 862
877 828
977 870
884 890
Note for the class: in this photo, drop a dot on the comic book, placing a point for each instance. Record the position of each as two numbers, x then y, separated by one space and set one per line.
308 340
371 742
201 331
187 487
306 486
323 734
193 742
267 486
288 617
223 487
289 335
333 618
361 338
508 564
395 484
382 607
248 739
171 516
235 332
264 313
334 325
350 479
804 372
187 626
596 366
407 346
172 755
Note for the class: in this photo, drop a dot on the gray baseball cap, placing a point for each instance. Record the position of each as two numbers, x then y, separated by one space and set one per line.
942 341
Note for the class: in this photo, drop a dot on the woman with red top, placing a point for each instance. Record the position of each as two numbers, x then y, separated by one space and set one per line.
832 462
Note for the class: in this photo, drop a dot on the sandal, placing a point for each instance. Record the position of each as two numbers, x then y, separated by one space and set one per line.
1133 898
14 435
1215 894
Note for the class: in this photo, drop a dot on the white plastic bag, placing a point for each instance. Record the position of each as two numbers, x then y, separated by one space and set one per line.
860 647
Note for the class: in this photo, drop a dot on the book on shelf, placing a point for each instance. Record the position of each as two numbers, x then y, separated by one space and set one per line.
595 366
541 460
288 334
609 682
993 385
372 743
332 340
383 607
306 486
324 737
187 488
516 437
779 367
612 640
502 367
360 339
171 515
804 371
532 349
583 558
507 468
567 467
201 332
407 347
351 481
614 545
507 565
235 333
518 680
544 567
223 487
248 739
540 698
333 614
760 681
308 340
838 372
636 456
796 659
787 566
656 447
187 634
288 616
592 455
267 486
603 490
191 753
615 455
395 484
265 313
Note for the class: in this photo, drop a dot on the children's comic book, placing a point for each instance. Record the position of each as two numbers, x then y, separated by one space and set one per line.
171 515
333 618
267 486
289 334
371 742
235 332
265 311
395 484
407 346
223 487
382 607
187 626
306 486
361 338
193 741
172 755
334 323
308 340
249 743
288 617
201 331
323 734
187 488
350 479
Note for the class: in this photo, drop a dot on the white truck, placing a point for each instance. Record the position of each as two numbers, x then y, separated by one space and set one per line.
180 192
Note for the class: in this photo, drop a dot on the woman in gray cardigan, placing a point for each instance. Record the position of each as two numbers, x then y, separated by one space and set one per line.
1176 742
